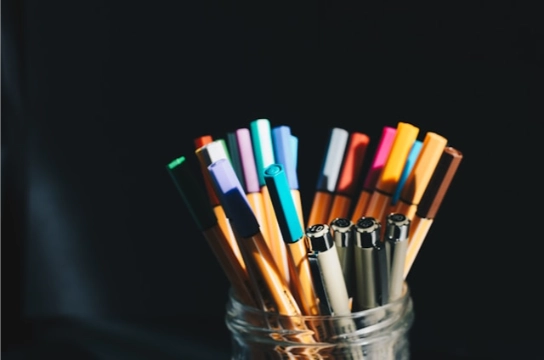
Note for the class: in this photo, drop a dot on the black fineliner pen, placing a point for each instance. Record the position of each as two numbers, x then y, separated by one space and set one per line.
371 274
396 243
342 235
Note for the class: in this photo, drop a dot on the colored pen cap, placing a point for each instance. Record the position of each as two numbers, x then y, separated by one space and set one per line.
392 170
283 153
233 150
261 136
247 158
212 152
232 197
341 231
294 148
397 228
408 166
440 182
319 238
192 193
284 206
418 179
332 163
380 157
367 232
353 162
202 140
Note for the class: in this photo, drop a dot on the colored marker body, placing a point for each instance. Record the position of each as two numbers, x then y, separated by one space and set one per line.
380 200
328 177
380 157
349 177
264 156
433 147
194 198
430 202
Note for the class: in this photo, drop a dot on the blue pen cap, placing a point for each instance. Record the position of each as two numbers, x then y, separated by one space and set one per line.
284 206
408 165
233 198
283 153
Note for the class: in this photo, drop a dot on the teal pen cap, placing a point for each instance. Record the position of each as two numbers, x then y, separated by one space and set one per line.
284 206
261 136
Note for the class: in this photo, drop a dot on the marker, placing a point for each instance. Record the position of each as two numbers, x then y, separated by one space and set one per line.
396 244
263 269
264 157
380 157
433 147
322 247
207 154
371 273
328 177
194 197
202 140
293 235
408 166
283 154
251 180
380 200
349 177
430 202
343 239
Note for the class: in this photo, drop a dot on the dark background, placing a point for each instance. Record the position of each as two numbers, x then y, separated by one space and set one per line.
100 258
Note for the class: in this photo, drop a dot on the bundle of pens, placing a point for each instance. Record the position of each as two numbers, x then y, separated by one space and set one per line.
355 249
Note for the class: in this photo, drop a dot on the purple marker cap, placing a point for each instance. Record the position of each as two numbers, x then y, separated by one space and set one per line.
247 158
233 199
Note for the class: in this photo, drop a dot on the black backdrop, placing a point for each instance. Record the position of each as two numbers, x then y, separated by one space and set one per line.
101 259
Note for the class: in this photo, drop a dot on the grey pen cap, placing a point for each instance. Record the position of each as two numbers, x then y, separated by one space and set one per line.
341 232
367 232
319 237
398 227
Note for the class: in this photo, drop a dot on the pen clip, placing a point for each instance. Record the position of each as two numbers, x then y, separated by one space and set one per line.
319 284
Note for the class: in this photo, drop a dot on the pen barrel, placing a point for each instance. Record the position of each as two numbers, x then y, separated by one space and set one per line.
224 224
378 206
361 205
396 257
418 232
303 286
298 205
366 292
340 207
320 208
405 208
256 203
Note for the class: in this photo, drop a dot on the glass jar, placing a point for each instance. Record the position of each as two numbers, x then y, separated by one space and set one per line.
378 333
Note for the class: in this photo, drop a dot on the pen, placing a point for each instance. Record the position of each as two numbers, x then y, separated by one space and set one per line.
328 176
371 272
322 247
264 156
433 146
285 155
251 180
349 177
343 240
263 269
408 166
194 198
202 140
380 200
233 150
430 202
396 244
380 157
206 154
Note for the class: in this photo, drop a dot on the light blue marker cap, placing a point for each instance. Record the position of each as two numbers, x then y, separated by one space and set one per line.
408 165
283 203
283 153
294 149
332 163
261 136
233 199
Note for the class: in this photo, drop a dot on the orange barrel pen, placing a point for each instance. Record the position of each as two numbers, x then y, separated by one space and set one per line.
285 155
206 155
380 157
433 147
349 177
263 271
194 197
430 202
261 135
380 200
328 177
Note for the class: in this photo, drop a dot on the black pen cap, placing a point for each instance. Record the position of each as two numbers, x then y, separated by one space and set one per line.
367 232
341 231
397 228
319 237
